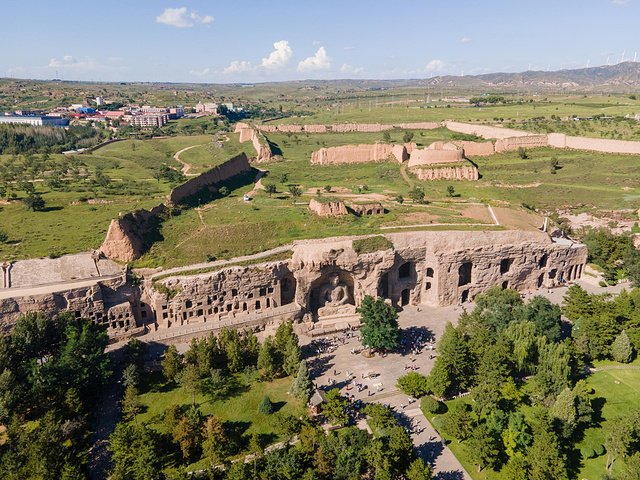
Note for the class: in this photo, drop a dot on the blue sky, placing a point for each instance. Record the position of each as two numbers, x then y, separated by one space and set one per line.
256 41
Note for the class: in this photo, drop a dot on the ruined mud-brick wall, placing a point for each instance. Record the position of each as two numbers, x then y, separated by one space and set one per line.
514 143
352 154
112 302
250 134
418 126
462 172
476 149
368 209
232 167
436 153
315 128
228 294
560 140
125 240
485 131
328 208
360 127
267 128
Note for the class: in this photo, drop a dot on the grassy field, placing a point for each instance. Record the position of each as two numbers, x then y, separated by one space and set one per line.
236 405
209 155
615 392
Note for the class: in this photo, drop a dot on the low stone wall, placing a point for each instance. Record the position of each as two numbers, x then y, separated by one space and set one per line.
230 168
465 172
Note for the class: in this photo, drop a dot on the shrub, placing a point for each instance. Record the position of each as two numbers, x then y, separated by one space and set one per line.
439 422
587 452
430 405
4 236
602 284
265 407
522 153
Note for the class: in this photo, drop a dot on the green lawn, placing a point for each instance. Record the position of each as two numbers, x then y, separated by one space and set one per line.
236 406
208 155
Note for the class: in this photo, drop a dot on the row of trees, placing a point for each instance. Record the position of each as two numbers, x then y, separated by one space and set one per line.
17 139
50 374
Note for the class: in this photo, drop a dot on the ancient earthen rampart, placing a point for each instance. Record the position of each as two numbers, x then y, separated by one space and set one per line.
260 144
315 128
360 127
476 149
462 172
358 154
436 153
232 167
485 131
328 208
560 140
512 144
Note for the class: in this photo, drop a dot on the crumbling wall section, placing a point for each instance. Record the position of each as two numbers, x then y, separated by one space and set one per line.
462 172
328 208
512 144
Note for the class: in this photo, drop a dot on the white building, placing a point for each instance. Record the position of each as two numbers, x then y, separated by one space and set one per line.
99 101
150 120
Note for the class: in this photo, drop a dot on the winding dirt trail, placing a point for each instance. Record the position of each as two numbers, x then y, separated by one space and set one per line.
185 166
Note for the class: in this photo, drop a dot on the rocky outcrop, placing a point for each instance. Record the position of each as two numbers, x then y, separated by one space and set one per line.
328 208
463 172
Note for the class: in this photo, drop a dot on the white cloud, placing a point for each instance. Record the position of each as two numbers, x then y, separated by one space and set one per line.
350 69
316 42
320 61
620 2
438 66
348 48
279 57
465 40
197 73
178 17
238 67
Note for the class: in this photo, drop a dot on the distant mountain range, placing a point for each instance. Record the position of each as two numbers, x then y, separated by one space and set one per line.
621 75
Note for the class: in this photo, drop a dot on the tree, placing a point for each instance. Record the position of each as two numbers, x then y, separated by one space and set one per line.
554 165
134 453
576 303
453 368
544 455
407 137
417 195
386 136
215 444
190 381
334 407
267 358
130 376
418 470
379 324
256 447
172 363
295 191
34 202
284 178
265 407
450 191
302 386
223 191
327 188
131 403
516 437
458 422
413 384
564 412
270 189
4 236
292 356
621 350
522 153
483 447
400 199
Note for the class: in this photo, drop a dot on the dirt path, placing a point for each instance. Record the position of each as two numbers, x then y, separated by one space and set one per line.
185 166
403 171
258 180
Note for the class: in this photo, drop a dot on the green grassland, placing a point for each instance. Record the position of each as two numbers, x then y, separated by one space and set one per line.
614 393
208 155
236 405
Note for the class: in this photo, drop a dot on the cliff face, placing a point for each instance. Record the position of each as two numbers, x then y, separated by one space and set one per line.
126 238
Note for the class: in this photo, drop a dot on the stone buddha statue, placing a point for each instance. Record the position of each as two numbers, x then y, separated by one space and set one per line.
334 297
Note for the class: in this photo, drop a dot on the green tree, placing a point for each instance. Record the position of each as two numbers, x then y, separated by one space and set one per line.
334 407
576 303
418 470
407 137
270 189
483 447
131 403
379 324
172 363
516 437
327 188
34 202
450 191
292 356
453 368
130 376
458 422
545 455
386 136
267 361
223 191
295 191
134 452
417 195
564 412
413 384
284 178
621 350
190 381
265 406
4 236
522 153
216 443
302 386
